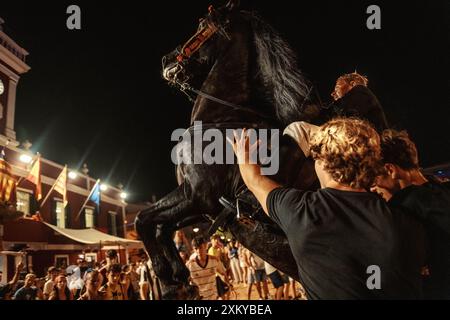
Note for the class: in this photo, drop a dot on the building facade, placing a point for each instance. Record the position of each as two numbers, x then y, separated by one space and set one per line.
42 247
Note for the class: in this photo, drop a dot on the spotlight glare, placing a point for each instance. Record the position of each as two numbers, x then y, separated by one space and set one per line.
73 175
103 187
25 158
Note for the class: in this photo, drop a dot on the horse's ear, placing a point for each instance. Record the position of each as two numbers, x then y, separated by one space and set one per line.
232 5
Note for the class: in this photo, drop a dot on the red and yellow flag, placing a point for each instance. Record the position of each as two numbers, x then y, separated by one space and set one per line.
61 185
7 183
35 177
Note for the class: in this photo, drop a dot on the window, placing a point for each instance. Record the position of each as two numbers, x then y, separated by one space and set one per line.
23 202
113 223
89 221
90 257
61 261
60 215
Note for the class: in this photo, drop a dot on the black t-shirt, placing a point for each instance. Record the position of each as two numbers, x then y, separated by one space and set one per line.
361 102
4 290
335 236
430 203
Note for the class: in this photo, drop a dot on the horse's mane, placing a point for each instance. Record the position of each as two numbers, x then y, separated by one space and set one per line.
283 83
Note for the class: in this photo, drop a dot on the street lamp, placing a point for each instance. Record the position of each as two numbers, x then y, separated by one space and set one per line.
123 195
25 158
103 187
196 230
73 175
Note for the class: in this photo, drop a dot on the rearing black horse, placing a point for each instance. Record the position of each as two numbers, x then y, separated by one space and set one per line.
248 78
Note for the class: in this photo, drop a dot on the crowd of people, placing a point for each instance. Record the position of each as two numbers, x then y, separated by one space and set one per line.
108 280
218 266
227 265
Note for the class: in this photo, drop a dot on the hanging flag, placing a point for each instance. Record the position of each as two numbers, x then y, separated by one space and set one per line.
95 195
7 181
61 185
35 177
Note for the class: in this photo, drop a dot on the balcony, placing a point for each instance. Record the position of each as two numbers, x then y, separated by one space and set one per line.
12 47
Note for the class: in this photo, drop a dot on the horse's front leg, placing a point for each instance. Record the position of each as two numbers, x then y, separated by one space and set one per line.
155 227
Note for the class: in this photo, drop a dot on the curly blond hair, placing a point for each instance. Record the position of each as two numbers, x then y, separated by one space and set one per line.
351 151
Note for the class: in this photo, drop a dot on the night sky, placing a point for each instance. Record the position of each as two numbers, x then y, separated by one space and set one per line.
97 95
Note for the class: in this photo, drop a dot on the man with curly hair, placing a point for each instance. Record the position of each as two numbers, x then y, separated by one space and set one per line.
403 185
340 231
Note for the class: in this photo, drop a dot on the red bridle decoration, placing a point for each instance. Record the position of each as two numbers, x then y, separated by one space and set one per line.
197 40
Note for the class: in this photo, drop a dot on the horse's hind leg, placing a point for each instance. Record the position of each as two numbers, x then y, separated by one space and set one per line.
155 226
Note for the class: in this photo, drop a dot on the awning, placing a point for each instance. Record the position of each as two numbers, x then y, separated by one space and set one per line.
95 237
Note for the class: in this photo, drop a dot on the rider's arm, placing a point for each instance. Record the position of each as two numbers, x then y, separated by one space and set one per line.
257 183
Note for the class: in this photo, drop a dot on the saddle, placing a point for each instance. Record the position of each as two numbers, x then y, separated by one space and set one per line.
244 208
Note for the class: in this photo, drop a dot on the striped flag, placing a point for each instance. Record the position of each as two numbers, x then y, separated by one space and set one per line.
7 181
61 185
35 177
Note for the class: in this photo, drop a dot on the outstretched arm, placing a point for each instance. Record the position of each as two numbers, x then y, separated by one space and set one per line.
257 183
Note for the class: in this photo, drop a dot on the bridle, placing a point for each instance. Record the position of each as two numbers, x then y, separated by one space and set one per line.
208 27
207 30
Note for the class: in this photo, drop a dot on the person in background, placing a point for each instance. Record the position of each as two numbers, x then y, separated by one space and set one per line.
243 262
52 273
233 257
134 280
257 275
93 282
60 290
6 290
113 289
276 279
29 291
111 258
203 269
181 242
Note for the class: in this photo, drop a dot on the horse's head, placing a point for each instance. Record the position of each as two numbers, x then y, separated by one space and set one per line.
237 57
191 62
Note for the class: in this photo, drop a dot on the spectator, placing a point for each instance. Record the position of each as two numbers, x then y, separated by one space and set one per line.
6 290
181 242
234 262
111 258
256 275
203 269
113 289
242 262
93 282
52 273
29 291
60 290
276 279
